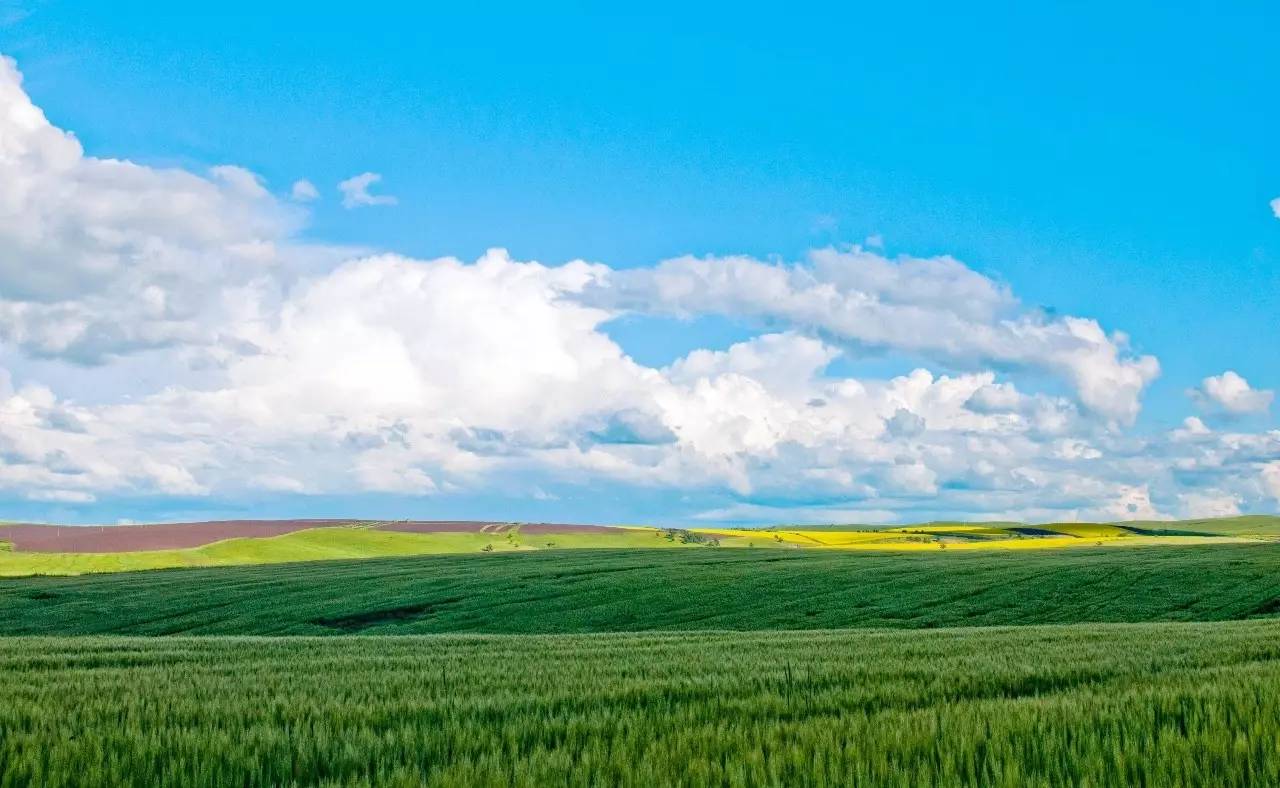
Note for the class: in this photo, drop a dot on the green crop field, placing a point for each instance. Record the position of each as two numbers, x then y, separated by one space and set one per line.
633 590
642 665
1157 705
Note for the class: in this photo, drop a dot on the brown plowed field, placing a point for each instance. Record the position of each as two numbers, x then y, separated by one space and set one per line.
161 536
173 536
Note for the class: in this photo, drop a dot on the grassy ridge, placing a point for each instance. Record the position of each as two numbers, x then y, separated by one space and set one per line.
1161 704
638 590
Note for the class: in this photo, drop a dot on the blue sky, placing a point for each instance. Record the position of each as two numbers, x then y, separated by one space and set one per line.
1109 164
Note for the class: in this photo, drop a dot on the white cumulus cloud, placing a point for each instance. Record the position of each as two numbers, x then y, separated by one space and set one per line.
936 307
1233 394
1212 503
1271 479
101 256
355 191
196 347
304 191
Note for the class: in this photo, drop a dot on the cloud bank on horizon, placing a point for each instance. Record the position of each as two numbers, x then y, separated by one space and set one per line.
295 369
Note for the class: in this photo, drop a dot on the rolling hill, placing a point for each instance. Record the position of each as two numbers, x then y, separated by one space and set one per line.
562 591
70 550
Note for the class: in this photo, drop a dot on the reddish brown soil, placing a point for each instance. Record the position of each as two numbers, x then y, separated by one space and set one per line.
125 538
173 536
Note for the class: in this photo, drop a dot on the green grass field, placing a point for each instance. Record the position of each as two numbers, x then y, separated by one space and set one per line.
316 659
1157 705
633 590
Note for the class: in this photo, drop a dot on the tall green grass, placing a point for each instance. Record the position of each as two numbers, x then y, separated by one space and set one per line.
637 590
1156 705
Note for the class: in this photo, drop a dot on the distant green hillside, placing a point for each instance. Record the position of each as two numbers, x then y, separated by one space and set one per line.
631 590
1247 525
1261 525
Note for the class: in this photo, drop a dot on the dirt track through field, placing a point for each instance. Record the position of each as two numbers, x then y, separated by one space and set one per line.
463 526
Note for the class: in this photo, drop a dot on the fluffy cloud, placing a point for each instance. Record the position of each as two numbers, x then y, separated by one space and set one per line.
355 191
102 256
287 369
1275 207
56 451
1208 504
1232 393
304 191
935 307
1270 475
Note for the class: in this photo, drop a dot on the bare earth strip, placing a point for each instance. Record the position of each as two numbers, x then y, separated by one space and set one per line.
33 538
129 538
